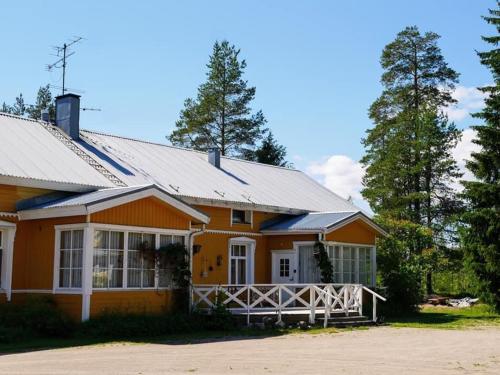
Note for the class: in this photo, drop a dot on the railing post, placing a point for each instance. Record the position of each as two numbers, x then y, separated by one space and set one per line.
328 305
280 291
312 301
248 305
374 308
346 299
360 300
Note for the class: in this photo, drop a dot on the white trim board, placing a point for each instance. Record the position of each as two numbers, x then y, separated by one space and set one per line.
89 208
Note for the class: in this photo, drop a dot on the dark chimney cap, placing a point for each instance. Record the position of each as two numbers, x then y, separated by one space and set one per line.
214 157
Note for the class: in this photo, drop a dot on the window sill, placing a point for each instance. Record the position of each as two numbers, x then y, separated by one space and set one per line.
68 291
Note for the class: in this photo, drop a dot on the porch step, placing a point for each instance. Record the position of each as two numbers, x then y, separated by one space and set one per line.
347 321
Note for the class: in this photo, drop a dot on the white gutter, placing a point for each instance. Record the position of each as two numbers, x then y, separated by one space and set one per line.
191 237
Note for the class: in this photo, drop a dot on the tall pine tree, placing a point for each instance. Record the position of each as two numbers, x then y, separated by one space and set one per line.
481 234
221 116
269 152
408 152
44 100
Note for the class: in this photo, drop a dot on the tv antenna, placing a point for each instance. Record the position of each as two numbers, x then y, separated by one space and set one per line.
63 53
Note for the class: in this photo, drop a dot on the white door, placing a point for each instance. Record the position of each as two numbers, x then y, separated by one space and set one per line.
284 268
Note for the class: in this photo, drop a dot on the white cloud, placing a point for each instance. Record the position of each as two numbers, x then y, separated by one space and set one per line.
469 100
344 175
462 152
340 174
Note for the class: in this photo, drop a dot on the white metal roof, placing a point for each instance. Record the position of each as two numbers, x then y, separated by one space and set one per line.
28 151
34 154
187 173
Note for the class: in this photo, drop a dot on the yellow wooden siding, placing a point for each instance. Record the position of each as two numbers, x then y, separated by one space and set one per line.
357 232
34 252
214 245
132 301
285 242
9 195
220 219
146 212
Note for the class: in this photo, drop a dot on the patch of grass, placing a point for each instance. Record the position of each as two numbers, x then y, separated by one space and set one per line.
448 318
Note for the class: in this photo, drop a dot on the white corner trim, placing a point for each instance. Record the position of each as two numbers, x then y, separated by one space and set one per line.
8 236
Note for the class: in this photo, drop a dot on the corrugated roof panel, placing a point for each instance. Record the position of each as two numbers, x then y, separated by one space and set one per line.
309 221
89 198
187 173
28 150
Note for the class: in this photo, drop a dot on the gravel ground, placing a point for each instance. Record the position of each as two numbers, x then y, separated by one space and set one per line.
381 350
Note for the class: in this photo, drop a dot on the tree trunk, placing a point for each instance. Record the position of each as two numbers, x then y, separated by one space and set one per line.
428 283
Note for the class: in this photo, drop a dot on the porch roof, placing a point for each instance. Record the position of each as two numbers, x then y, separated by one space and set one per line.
316 222
82 204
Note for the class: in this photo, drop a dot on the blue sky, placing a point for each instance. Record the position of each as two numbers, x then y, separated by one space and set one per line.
315 63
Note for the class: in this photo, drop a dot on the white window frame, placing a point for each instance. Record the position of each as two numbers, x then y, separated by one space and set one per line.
133 229
8 230
250 258
58 257
250 212
373 252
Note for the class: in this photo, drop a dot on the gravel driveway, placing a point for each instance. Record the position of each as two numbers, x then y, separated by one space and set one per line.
381 350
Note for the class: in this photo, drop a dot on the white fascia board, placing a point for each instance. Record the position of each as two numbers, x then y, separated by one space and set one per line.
49 185
355 217
46 213
280 232
239 205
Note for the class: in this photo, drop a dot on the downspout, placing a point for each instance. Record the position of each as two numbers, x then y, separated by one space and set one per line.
192 235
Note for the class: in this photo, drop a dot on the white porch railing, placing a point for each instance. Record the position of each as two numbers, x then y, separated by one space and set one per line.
285 298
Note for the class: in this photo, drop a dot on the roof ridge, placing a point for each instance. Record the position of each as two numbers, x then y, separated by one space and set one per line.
185 149
20 117
63 138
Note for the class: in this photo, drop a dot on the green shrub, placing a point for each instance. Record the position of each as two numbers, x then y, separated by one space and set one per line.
36 317
131 325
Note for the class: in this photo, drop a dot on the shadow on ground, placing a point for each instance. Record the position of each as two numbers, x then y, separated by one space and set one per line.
198 338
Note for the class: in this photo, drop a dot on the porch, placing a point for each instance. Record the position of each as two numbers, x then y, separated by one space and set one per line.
313 302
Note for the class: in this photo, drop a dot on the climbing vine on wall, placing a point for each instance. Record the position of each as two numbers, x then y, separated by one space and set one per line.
324 263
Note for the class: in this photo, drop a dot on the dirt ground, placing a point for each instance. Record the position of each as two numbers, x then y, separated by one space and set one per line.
381 350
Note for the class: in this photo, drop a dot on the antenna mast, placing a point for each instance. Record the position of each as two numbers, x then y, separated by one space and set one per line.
61 63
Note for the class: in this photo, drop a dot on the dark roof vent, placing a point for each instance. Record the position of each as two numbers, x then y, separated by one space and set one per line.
214 157
68 114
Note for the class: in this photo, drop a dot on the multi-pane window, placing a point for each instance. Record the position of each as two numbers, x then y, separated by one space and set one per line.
165 271
238 264
108 259
334 253
124 259
241 217
141 263
351 264
284 267
70 258
365 265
